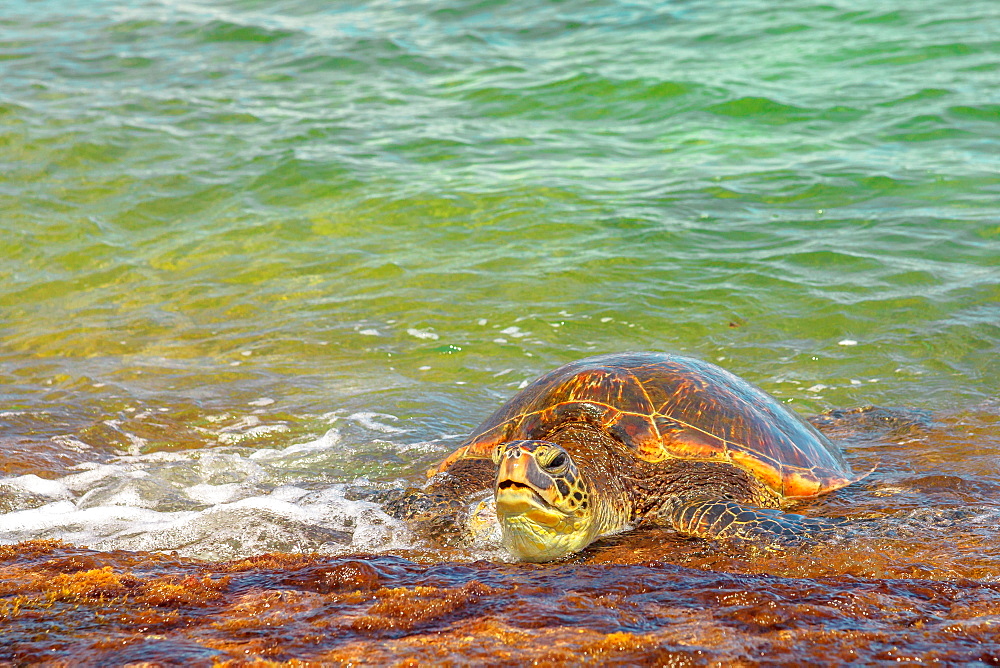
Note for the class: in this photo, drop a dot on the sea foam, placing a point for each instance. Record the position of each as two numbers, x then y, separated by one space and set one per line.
213 503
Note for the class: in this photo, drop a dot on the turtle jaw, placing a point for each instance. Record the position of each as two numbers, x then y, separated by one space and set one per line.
521 501
530 541
534 530
538 520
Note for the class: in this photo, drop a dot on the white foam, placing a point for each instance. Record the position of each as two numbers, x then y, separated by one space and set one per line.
238 521
248 428
94 473
289 493
70 521
425 334
213 494
367 420
32 484
514 331
126 496
215 503
70 443
324 442
262 401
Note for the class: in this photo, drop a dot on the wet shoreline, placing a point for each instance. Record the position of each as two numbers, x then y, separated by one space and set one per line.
75 606
918 580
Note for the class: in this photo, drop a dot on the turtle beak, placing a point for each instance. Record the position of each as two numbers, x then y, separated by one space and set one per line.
521 487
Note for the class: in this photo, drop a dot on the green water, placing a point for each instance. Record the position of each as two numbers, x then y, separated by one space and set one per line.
410 208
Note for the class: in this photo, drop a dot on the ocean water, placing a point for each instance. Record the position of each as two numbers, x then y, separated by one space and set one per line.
262 258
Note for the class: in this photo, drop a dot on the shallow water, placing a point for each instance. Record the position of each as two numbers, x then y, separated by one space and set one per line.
260 260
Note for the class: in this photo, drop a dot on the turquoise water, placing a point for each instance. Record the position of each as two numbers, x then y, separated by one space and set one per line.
249 224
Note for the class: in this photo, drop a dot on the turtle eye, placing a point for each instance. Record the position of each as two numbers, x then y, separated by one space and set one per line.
557 462
497 452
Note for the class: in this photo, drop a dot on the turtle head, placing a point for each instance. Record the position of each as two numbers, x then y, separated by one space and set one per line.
544 505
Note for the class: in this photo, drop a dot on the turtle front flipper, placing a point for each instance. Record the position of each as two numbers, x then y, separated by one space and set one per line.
443 493
414 503
722 519
441 509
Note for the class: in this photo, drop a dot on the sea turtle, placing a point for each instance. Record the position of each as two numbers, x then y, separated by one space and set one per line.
613 441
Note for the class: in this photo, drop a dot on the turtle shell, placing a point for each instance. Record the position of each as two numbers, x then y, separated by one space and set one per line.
662 406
